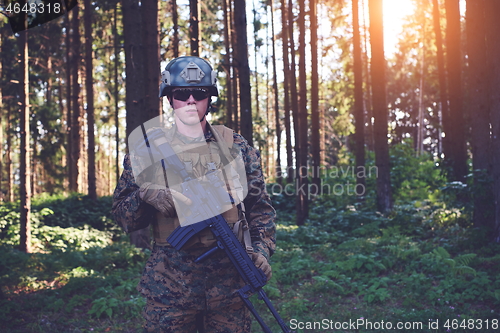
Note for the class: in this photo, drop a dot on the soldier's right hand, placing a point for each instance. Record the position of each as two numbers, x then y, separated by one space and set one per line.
161 198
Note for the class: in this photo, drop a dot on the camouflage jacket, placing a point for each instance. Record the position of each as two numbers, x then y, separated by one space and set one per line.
133 214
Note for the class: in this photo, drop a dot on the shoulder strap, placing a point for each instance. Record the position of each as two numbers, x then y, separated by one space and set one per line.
224 136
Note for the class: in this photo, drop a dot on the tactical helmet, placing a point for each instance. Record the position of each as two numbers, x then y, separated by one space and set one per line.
188 71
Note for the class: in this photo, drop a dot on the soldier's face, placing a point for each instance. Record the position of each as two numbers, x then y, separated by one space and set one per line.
190 105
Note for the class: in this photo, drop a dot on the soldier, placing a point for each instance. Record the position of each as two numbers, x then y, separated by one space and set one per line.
183 296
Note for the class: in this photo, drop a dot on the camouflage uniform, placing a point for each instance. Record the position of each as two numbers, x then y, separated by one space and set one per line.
178 290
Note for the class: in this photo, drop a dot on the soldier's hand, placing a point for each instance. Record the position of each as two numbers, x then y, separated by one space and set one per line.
161 198
261 262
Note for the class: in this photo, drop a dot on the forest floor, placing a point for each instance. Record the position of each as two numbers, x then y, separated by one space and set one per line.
421 268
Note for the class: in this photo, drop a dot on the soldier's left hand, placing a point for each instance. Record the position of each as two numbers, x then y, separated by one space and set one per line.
261 262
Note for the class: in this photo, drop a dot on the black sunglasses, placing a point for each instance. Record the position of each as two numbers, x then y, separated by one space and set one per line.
183 94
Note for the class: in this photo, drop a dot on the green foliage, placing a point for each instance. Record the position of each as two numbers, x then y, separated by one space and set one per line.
422 261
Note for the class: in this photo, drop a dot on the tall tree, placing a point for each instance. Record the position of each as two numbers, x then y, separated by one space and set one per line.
89 87
294 96
69 100
194 28
1 114
380 112
457 159
359 112
151 57
303 183
277 121
135 82
315 128
286 88
175 28
421 108
228 68
116 38
479 106
443 91
25 168
493 38
241 61
74 67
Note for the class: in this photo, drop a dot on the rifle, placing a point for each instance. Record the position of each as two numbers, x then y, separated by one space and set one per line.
204 203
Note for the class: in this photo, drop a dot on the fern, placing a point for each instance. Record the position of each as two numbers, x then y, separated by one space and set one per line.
459 265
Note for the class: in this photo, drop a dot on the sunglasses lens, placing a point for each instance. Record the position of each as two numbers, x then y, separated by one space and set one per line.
199 94
183 95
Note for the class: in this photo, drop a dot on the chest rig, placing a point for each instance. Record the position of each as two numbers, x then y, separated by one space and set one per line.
200 158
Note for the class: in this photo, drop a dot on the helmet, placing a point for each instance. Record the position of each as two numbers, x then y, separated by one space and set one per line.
188 71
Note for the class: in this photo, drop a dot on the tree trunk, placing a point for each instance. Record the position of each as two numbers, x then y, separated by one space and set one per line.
89 85
135 83
256 52
443 92
369 133
277 123
194 29
421 108
478 92
380 112
228 64
493 26
69 118
235 70
151 56
315 129
359 112
303 182
175 28
25 169
75 101
240 28
286 88
1 119
116 92
457 160
294 96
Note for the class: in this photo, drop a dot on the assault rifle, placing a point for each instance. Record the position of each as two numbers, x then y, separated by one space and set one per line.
204 203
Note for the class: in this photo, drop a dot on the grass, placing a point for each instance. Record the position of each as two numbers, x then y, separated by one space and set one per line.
424 263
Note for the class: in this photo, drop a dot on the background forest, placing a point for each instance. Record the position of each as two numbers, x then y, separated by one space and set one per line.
381 153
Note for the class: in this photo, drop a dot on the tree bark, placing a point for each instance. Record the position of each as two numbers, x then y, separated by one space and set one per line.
457 159
25 161
303 181
443 92
380 112
359 112
116 92
478 92
175 27
493 26
194 29
228 64
151 56
294 96
286 88
277 121
135 82
69 118
315 129
89 86
75 101
240 28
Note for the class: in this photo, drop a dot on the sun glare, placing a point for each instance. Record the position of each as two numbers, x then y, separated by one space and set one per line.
395 12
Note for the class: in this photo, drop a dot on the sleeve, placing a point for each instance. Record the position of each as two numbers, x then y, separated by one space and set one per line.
260 213
128 210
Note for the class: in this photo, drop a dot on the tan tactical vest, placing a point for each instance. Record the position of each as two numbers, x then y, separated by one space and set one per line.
198 160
